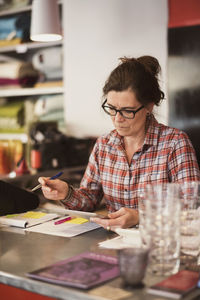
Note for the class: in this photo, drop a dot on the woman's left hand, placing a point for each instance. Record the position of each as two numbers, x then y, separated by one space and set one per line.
125 217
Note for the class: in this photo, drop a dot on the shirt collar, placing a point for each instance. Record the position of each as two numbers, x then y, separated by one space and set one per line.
150 138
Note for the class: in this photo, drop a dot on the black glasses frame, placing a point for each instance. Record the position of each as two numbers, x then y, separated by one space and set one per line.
120 110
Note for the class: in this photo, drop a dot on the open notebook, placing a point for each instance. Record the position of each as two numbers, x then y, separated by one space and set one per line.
27 219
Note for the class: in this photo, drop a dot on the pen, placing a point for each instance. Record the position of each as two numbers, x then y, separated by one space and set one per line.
62 220
51 178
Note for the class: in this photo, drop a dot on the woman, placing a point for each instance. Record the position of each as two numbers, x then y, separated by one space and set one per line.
138 151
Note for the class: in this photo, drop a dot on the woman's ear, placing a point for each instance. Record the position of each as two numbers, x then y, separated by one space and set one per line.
149 107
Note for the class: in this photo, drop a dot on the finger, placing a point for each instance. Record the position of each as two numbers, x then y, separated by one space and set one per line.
43 180
51 195
106 222
116 214
46 189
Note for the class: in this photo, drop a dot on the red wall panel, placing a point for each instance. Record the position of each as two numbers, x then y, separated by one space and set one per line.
183 13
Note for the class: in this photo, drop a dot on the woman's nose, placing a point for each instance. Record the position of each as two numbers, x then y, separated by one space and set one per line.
119 116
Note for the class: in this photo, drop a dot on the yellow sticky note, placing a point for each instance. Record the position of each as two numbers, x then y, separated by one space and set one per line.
11 216
34 215
78 221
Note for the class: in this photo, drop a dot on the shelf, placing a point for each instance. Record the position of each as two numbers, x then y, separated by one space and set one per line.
14 136
15 11
23 48
12 92
19 10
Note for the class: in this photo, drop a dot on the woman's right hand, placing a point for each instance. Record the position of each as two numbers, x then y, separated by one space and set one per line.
53 189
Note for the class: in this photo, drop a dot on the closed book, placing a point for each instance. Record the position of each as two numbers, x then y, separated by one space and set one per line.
176 286
84 271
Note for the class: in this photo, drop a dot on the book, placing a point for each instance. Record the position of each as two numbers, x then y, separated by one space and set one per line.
84 271
176 286
27 219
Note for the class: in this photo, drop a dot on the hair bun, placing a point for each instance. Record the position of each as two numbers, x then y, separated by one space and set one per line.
151 64
126 59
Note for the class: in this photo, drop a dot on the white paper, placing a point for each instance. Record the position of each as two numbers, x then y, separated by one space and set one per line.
64 229
127 238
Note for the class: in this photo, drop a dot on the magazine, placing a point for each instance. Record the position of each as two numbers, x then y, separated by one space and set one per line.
84 271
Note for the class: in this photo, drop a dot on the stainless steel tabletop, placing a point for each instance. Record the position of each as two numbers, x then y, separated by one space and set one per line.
22 252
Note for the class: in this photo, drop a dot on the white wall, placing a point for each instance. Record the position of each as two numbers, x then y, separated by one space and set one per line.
96 34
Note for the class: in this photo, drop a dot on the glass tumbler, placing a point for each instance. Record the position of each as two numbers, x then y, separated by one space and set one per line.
190 221
162 221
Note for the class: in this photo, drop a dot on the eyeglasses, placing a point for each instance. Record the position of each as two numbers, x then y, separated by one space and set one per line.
126 113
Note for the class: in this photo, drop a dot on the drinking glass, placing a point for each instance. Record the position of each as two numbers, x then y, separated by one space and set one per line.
160 224
133 263
144 221
190 221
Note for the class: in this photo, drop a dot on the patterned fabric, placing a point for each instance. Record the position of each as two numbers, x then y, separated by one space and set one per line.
167 155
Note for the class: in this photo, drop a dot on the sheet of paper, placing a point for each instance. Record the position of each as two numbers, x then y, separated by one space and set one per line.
66 229
119 243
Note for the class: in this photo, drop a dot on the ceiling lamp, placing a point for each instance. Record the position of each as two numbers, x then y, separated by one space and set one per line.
45 21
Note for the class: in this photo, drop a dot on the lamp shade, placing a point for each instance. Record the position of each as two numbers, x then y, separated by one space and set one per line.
45 21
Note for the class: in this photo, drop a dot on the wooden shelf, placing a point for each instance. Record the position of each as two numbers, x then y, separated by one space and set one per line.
23 48
14 136
15 11
12 92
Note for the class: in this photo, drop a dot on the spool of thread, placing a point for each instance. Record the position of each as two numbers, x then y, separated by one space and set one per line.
35 159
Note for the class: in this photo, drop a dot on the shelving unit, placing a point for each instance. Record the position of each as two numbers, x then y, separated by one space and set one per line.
25 52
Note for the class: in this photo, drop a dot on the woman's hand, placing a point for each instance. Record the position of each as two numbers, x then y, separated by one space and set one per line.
125 217
53 189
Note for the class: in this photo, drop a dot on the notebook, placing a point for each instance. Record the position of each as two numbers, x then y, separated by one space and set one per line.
84 271
27 219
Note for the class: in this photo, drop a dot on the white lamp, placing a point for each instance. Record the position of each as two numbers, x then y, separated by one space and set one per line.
45 21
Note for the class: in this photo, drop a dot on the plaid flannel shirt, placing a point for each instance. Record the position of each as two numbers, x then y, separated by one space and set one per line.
167 155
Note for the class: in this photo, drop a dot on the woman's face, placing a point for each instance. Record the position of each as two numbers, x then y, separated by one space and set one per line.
127 100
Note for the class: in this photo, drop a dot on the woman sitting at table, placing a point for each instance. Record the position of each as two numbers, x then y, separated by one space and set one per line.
138 151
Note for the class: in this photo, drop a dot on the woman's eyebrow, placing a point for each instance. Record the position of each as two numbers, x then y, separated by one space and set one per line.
125 107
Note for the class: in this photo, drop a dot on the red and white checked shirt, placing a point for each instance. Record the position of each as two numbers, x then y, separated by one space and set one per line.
167 155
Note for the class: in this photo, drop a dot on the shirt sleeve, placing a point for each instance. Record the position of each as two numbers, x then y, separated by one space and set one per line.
90 193
182 161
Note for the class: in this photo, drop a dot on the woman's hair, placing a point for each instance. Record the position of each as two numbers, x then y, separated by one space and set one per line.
139 74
